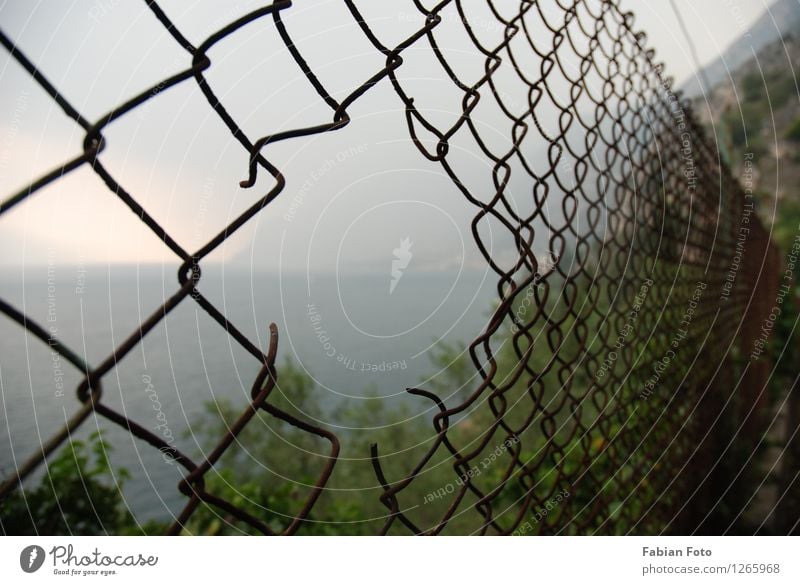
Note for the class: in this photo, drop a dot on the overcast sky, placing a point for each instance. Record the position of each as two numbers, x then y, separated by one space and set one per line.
712 25
352 196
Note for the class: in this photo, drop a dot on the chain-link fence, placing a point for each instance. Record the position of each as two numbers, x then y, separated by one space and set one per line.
604 374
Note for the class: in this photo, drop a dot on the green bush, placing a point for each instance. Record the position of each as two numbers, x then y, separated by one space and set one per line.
793 132
76 496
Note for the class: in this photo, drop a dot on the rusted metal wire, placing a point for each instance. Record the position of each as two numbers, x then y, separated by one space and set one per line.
649 227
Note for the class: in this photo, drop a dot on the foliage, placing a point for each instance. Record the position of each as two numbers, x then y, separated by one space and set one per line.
793 132
274 465
76 496
271 469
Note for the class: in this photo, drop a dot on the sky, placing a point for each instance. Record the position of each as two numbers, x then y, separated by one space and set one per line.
353 196
712 25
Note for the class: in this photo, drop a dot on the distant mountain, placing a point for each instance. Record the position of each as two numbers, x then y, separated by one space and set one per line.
782 18
755 116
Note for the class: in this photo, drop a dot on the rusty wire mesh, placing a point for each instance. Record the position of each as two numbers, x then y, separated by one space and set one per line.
615 362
